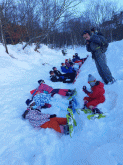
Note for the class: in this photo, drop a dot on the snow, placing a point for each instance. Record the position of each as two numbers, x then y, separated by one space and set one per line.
95 142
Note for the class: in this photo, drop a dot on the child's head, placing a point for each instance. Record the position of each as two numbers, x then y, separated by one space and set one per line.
91 80
41 81
54 68
66 60
73 56
76 54
63 64
51 73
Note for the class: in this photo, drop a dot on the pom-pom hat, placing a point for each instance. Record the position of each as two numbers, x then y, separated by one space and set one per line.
91 80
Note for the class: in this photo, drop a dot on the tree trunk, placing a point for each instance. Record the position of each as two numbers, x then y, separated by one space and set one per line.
2 32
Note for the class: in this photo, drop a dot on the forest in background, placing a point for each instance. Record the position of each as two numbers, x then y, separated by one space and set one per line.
57 22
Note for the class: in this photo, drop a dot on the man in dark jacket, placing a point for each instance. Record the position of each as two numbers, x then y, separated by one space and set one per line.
97 48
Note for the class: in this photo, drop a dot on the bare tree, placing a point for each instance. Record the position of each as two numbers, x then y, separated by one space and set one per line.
1 27
100 11
49 21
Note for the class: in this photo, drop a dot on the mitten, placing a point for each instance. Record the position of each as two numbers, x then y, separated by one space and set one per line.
85 90
46 92
52 116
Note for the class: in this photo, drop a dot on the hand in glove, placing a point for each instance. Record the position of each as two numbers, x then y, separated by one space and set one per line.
85 90
52 116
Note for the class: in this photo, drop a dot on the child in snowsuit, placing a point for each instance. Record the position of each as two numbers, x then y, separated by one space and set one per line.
70 76
70 62
96 96
67 63
55 78
44 88
40 120
76 59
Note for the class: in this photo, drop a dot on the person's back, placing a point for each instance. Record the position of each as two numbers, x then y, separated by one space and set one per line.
64 69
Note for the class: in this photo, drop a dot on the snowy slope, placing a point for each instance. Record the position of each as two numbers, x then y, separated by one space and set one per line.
98 142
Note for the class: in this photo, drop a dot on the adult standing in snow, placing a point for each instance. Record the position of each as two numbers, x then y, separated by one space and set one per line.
98 48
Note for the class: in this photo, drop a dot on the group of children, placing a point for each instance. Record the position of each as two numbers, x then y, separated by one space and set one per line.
41 97
68 69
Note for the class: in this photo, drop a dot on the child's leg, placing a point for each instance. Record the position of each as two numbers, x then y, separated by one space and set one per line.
54 91
60 120
63 92
55 123
91 104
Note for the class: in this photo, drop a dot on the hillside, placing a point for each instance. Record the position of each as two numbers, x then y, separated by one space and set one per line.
95 142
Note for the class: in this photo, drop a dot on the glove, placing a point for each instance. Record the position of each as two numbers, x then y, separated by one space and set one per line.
85 90
46 92
52 116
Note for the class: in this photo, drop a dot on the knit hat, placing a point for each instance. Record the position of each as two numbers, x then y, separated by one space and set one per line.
92 29
28 102
51 72
53 68
41 81
91 80
86 31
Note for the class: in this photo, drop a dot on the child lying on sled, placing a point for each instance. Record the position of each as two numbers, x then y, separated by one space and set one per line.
44 88
41 120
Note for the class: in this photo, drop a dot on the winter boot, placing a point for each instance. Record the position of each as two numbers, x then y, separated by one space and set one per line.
66 129
85 102
96 110
69 93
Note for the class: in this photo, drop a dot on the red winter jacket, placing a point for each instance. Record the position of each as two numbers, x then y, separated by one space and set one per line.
97 95
41 89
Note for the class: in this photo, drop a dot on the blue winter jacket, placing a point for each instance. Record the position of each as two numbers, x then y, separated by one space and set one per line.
66 69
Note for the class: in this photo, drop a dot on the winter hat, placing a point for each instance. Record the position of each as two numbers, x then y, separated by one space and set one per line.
53 68
86 31
66 60
51 72
76 54
41 81
91 80
28 102
62 64
93 29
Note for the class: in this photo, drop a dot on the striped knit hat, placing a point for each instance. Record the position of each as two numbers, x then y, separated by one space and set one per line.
91 80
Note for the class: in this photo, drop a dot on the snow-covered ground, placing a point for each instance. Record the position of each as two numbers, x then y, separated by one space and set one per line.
95 142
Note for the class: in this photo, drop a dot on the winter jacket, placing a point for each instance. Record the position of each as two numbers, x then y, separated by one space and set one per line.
57 73
54 78
67 64
66 69
37 118
41 89
95 46
77 58
97 94
41 99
